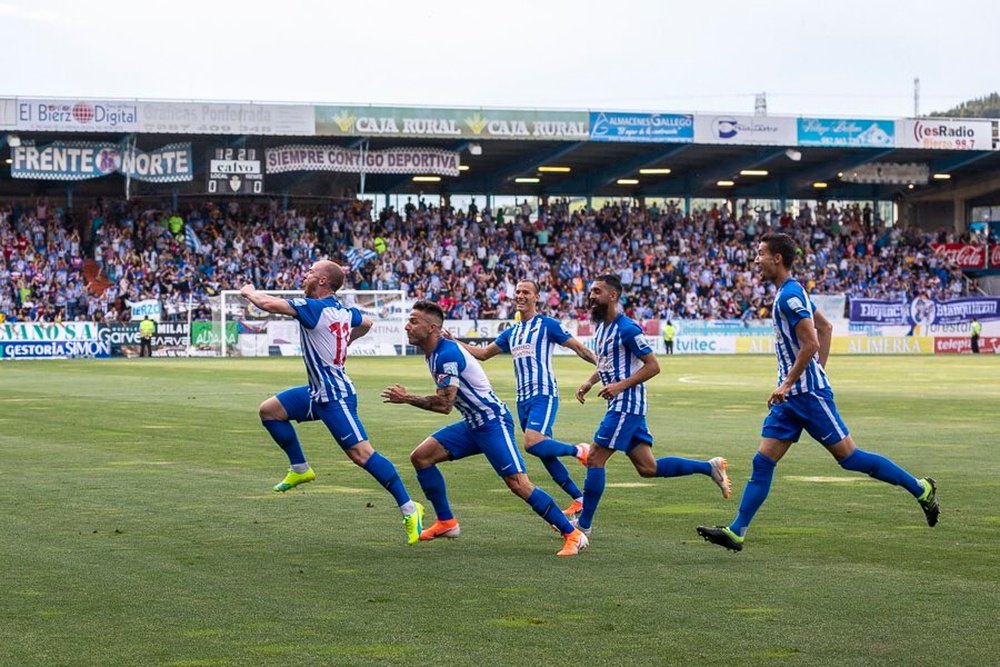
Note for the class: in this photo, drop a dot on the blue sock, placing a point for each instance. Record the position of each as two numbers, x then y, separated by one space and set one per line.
673 466
382 469
593 489
432 482
561 477
882 469
283 433
549 447
546 508
754 493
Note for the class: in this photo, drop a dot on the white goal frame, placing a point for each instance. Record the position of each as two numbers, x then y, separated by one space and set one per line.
348 297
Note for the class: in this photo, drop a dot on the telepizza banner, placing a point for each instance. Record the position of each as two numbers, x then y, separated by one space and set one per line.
336 158
81 160
924 312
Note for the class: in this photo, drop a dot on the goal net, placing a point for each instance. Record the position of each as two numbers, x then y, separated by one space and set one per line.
240 329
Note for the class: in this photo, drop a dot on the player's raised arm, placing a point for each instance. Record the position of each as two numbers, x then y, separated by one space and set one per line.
266 302
581 350
824 332
443 401
480 352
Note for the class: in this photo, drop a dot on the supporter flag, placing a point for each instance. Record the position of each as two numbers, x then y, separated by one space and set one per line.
358 257
192 240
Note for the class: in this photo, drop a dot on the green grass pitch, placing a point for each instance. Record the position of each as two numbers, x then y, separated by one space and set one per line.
139 527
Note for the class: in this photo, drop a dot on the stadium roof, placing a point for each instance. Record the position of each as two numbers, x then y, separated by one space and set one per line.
593 163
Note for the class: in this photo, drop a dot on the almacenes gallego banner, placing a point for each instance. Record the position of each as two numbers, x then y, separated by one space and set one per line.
82 160
355 161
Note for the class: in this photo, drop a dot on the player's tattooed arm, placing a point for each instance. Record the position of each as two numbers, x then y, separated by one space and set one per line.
581 393
582 351
360 330
479 352
266 302
443 401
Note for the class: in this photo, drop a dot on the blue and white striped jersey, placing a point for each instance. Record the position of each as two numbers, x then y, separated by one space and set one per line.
531 342
791 306
452 366
619 346
324 331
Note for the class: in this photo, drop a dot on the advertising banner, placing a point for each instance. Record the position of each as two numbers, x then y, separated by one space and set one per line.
150 307
47 331
8 113
846 132
220 118
79 160
946 134
963 255
705 345
963 345
451 123
336 158
206 336
60 349
43 115
36 340
882 345
235 171
833 306
745 130
170 340
924 312
641 127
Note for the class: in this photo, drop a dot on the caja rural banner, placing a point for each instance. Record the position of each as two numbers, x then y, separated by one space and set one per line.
336 158
924 312
451 123
79 160
846 132
945 134
641 127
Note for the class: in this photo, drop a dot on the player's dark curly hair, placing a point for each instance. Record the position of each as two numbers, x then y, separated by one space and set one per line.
612 281
781 244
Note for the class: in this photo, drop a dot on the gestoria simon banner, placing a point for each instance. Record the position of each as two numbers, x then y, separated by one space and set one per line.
450 123
336 158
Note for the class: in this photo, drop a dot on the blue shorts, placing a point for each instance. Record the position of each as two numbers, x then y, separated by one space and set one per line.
340 416
538 413
815 412
622 432
494 439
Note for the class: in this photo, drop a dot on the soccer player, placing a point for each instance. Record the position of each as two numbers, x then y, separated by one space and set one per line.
531 342
326 328
624 363
804 400
486 428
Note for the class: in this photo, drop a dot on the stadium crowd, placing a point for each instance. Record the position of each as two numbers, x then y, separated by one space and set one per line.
673 265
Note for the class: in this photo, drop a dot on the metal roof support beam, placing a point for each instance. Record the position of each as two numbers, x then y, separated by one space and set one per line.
829 170
586 184
958 161
529 165
732 168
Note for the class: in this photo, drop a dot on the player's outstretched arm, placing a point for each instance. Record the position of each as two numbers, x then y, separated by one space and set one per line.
650 368
824 333
477 351
360 330
443 401
266 302
582 351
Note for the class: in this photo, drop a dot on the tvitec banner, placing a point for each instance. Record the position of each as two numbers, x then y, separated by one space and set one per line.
80 160
924 311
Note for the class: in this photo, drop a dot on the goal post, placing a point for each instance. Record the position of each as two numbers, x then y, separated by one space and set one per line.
242 329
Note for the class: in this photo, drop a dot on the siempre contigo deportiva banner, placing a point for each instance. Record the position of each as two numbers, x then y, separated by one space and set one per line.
641 127
388 161
924 311
79 160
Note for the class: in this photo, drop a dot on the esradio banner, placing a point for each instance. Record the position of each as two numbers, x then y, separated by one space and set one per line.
336 158
946 134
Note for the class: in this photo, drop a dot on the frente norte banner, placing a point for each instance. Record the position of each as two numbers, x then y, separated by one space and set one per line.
337 158
81 160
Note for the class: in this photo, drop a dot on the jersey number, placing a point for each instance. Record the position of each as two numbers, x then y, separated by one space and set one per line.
341 335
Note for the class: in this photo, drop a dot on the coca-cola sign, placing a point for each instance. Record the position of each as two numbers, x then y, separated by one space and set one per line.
963 255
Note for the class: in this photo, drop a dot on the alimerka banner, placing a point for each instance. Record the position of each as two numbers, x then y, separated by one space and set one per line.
924 311
356 161
82 160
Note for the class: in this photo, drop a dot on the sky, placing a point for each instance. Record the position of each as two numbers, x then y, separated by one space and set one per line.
846 58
